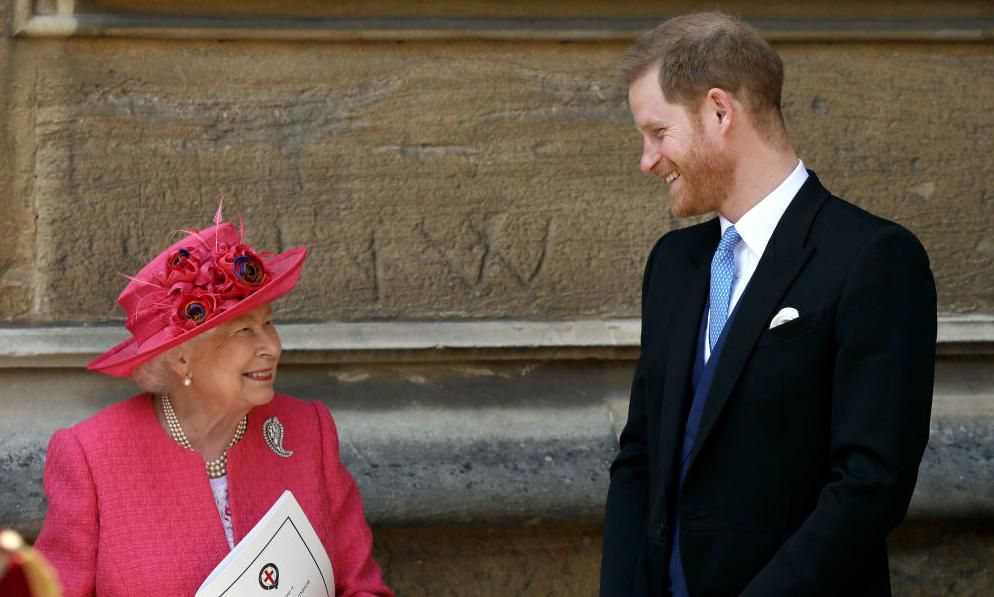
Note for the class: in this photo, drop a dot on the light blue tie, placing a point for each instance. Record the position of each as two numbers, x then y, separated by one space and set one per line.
722 278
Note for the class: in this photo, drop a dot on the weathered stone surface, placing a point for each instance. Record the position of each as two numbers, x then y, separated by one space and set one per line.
948 558
897 130
439 180
481 443
927 559
22 499
957 472
526 8
409 210
484 561
16 254
956 478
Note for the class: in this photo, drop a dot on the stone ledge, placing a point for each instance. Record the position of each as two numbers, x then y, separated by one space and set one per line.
484 443
524 29
434 478
336 342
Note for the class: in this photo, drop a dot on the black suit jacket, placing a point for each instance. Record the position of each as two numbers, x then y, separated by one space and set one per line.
810 440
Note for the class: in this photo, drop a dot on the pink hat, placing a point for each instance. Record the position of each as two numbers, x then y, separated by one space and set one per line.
202 281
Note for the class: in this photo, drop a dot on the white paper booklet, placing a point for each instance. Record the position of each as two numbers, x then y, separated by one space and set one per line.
281 556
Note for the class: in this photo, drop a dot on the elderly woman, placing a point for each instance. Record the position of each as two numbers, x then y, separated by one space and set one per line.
149 495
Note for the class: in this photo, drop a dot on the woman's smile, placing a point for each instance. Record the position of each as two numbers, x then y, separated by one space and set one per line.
260 375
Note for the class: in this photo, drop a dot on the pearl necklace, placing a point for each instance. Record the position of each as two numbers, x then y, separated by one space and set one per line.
215 468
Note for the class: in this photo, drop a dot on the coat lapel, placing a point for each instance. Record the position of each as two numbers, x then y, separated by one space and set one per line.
783 259
691 285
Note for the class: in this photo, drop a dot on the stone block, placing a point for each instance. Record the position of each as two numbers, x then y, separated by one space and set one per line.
485 561
456 180
927 558
440 444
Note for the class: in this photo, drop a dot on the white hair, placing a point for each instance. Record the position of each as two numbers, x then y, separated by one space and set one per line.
156 375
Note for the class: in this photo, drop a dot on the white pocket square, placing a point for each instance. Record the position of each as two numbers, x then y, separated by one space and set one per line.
786 314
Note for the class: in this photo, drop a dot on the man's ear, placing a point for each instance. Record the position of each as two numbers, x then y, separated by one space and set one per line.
720 108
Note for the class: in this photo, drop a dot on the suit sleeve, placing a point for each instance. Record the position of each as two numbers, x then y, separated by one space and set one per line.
628 494
351 550
70 533
881 402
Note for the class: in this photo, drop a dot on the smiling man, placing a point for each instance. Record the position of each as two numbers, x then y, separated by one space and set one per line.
780 405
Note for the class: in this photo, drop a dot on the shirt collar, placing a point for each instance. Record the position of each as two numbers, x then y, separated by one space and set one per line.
756 226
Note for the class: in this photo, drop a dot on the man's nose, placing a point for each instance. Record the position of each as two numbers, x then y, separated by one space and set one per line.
650 157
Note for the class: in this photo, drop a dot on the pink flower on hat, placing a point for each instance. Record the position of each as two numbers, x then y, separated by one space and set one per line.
194 308
182 268
242 269
249 271
182 265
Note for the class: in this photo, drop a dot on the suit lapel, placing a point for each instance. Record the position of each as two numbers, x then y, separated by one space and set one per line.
783 259
691 280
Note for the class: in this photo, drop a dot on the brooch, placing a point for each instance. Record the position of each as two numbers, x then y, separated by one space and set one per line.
272 431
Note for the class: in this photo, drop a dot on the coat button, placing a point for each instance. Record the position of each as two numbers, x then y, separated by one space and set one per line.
661 531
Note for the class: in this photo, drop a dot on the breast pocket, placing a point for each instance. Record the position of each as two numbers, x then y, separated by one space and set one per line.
793 331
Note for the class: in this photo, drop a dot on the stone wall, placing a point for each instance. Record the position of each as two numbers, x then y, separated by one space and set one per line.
927 559
478 226
521 198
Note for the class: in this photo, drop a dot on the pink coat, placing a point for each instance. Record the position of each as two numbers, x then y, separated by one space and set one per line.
130 512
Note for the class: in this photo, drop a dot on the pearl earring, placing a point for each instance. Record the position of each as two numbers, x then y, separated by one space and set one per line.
187 380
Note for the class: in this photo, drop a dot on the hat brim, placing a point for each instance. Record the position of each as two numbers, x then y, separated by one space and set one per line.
123 359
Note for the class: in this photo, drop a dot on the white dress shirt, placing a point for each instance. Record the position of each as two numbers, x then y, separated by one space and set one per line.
755 228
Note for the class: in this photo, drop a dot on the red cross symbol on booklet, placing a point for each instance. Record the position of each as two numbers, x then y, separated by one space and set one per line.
269 576
281 551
